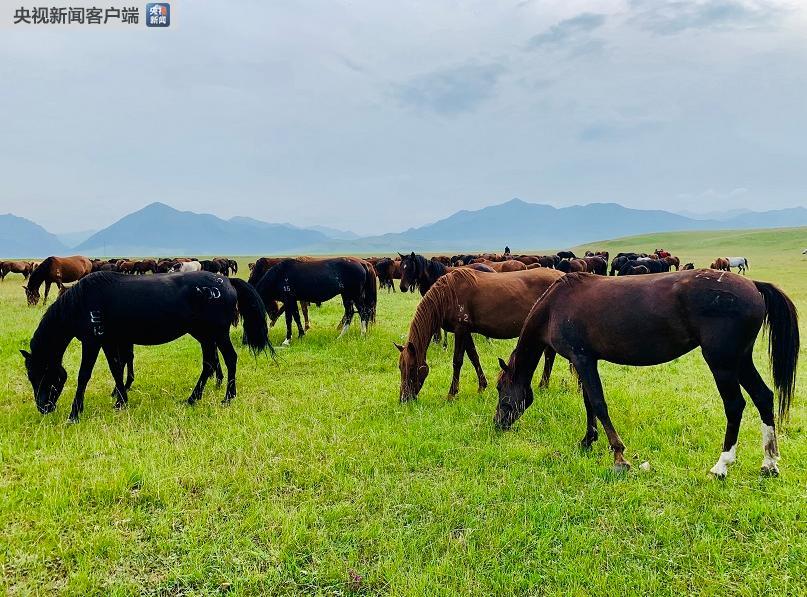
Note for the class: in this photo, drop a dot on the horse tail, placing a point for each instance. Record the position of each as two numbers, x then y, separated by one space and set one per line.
783 329
746 264
370 290
253 312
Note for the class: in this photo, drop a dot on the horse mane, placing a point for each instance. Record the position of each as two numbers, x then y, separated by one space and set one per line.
441 298
55 324
38 274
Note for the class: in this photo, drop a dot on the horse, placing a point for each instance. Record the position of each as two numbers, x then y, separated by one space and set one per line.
209 265
721 263
384 270
741 263
566 255
316 281
145 266
596 264
186 267
630 270
112 312
654 320
654 266
417 271
509 265
688 266
571 265
59 270
16 267
620 259
465 301
125 266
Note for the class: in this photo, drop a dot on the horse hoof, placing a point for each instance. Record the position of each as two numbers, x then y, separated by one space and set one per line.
622 467
72 419
120 405
286 342
191 401
770 471
227 400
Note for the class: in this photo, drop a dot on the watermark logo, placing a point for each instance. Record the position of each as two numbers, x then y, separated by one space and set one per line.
158 14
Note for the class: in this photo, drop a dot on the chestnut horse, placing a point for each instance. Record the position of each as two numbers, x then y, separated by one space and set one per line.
465 301
16 267
509 265
653 320
58 270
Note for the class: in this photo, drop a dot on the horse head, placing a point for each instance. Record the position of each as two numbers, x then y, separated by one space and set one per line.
413 373
47 380
514 396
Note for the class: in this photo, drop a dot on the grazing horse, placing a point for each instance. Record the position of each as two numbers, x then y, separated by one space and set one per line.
741 263
58 270
688 266
417 271
571 265
112 312
466 301
16 267
630 270
620 260
319 280
654 320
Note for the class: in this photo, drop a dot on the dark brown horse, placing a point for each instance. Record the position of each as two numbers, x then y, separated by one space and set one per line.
58 270
417 271
16 267
653 320
466 301
385 269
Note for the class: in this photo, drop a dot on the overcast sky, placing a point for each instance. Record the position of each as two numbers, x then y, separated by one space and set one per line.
378 116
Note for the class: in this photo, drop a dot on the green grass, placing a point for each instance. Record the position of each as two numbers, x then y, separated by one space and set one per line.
316 475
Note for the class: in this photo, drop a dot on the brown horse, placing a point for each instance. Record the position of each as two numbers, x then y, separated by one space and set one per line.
58 270
721 263
466 301
653 320
509 265
16 267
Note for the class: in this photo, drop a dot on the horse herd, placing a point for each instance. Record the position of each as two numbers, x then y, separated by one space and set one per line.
548 302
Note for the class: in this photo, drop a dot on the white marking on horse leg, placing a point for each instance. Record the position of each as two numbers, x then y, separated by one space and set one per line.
344 329
363 327
286 342
770 450
720 469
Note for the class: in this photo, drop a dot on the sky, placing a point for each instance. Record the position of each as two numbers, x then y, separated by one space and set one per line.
378 116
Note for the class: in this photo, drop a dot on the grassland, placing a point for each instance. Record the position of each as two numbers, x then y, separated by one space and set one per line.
317 481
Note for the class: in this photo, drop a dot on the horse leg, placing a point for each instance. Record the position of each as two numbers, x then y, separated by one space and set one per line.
230 359
304 308
47 290
470 350
116 358
348 317
733 403
218 371
592 387
208 358
591 434
296 314
762 397
549 361
89 354
289 318
459 355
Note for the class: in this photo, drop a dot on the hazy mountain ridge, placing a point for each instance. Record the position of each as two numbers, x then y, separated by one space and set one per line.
20 237
159 229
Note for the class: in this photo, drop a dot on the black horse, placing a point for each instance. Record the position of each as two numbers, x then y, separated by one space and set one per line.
654 266
417 271
112 312
317 281
566 255
384 269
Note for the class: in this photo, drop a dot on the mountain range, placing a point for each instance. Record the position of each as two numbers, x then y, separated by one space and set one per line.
159 229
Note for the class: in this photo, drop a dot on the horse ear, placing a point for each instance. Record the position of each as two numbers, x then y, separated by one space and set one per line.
504 366
411 348
412 255
401 255
25 354
398 346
